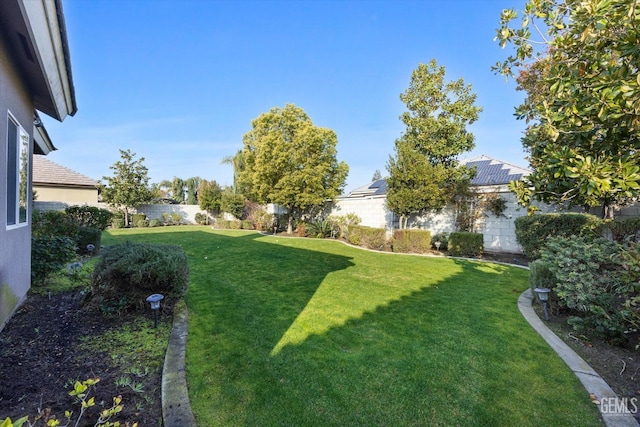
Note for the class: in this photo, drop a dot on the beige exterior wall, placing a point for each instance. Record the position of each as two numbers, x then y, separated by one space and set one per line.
71 196
15 241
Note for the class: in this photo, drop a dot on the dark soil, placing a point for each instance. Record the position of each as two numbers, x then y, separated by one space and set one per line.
40 361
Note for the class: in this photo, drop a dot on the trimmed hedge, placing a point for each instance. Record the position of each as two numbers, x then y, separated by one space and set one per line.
367 237
136 218
89 236
412 241
533 231
625 229
128 273
462 243
90 216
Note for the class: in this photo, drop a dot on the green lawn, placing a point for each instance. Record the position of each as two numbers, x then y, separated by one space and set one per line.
305 332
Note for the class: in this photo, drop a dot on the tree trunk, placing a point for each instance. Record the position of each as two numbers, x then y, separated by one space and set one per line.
290 225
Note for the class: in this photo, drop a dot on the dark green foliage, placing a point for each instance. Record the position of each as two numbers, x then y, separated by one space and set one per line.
541 276
533 231
49 254
128 273
443 238
463 243
412 241
90 216
368 237
136 218
53 223
599 280
320 229
117 220
625 229
89 236
201 218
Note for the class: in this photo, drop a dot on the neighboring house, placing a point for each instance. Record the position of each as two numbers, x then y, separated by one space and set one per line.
493 176
35 74
55 183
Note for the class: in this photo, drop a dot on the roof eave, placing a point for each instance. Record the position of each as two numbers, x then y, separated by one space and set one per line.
47 36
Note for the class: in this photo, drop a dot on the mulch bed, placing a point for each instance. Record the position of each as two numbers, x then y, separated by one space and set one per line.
40 362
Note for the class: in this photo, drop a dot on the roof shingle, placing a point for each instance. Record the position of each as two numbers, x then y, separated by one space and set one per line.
47 172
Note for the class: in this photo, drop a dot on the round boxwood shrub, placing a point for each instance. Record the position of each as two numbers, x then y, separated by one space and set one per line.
128 273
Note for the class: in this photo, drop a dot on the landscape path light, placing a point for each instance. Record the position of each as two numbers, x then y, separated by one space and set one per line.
543 295
154 301
438 243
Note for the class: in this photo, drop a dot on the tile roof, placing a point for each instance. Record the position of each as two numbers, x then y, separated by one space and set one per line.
47 172
489 171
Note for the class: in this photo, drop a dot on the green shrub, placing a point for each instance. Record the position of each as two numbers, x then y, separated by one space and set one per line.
223 224
533 231
301 229
262 220
117 220
54 223
143 223
462 243
625 229
136 218
166 218
89 236
128 273
443 238
599 280
411 241
320 229
90 216
541 276
235 224
368 237
176 218
246 224
342 223
49 254
201 218
155 223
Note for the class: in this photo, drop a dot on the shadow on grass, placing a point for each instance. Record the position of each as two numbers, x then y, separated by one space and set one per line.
296 332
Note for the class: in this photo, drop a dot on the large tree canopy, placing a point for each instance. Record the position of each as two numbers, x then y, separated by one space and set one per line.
289 161
583 98
129 185
425 172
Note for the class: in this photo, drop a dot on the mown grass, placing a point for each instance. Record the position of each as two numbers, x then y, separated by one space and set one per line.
313 332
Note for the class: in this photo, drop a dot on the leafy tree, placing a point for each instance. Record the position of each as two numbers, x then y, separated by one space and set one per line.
129 186
583 99
192 190
232 203
209 195
177 189
376 175
424 174
238 163
290 161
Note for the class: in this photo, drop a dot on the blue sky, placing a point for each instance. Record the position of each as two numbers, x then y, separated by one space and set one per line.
179 81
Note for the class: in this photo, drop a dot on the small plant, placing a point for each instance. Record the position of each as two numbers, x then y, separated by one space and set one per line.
49 254
155 223
81 391
342 223
166 218
176 218
320 229
443 238
201 218
465 244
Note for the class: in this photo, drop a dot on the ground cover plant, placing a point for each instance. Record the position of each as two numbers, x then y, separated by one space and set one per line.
313 332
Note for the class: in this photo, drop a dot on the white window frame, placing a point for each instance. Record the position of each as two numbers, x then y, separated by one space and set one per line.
20 156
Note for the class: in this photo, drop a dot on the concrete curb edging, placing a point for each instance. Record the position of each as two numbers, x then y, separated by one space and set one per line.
588 377
176 408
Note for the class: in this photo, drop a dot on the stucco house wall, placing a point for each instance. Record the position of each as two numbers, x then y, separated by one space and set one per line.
35 75
15 241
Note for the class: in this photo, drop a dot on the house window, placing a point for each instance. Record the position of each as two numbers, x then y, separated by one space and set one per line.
17 173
